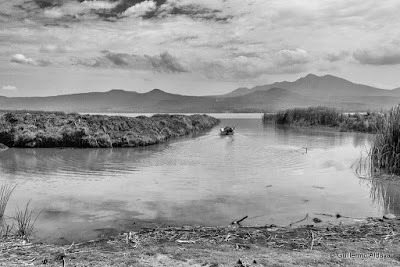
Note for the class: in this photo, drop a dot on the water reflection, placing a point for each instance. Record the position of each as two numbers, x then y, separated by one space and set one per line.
386 193
261 171
73 162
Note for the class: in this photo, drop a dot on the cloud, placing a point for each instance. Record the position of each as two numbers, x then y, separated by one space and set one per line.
78 8
100 4
53 48
9 88
221 39
21 59
336 56
140 9
379 56
163 62
287 57
250 67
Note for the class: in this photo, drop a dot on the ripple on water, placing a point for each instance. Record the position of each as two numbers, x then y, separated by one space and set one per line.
257 171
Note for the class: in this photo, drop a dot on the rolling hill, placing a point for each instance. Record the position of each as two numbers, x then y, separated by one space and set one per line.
310 90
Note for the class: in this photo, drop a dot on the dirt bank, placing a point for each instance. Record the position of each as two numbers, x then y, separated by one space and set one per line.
372 242
42 129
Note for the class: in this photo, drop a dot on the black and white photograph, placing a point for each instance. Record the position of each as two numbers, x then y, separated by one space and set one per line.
208 133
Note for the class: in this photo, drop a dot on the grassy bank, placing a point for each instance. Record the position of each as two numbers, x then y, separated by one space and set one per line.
45 129
326 117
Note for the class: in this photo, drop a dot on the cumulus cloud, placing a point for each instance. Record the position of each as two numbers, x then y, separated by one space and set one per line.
336 56
164 62
258 37
9 88
288 57
21 59
250 67
379 56
76 8
100 4
140 9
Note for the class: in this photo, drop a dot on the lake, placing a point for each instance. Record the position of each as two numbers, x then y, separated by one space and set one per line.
262 171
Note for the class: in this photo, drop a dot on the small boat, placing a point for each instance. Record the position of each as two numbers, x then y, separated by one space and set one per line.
227 130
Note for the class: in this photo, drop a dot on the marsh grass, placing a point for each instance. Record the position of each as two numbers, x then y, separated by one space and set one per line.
6 191
385 152
25 221
74 130
5 194
324 116
327 117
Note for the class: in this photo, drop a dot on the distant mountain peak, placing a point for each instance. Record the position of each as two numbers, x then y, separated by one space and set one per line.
156 91
311 75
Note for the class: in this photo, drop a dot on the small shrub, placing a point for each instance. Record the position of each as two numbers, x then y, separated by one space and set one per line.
103 140
11 118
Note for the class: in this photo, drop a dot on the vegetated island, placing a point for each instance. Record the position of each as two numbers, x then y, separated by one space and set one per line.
328 117
58 129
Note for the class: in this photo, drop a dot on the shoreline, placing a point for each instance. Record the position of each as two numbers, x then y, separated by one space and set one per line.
372 242
323 128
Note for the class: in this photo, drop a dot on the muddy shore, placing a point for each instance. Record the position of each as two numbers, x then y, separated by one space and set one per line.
370 242
44 129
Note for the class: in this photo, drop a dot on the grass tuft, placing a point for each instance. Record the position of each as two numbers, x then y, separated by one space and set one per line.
5 194
25 221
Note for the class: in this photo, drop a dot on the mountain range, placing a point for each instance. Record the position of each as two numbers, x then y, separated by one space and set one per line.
310 90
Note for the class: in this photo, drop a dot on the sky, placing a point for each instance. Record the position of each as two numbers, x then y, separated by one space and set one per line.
203 47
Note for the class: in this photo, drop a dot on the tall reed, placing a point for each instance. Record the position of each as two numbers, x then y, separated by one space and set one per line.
5 194
25 221
385 152
325 116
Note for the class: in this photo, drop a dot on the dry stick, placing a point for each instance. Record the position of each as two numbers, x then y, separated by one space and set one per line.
312 241
239 221
325 214
305 218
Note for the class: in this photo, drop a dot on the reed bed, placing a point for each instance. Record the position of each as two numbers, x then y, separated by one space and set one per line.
326 117
385 152
73 130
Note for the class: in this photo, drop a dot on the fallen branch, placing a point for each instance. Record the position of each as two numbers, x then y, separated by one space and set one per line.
305 218
239 221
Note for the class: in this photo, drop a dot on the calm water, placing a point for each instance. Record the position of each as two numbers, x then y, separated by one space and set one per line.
261 171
